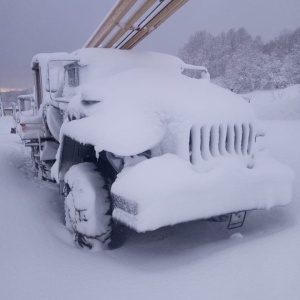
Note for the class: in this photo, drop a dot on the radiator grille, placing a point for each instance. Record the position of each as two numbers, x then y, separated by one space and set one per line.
211 141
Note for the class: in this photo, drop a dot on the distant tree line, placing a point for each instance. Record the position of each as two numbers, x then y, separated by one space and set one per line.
242 63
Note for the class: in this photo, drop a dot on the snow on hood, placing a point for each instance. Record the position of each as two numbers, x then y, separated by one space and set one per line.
137 105
139 95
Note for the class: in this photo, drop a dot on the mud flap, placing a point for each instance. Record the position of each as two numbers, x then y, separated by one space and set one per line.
236 220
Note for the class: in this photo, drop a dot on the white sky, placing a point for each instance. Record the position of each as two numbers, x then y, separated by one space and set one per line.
33 26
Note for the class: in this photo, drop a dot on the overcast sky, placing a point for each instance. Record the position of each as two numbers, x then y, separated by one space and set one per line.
28 27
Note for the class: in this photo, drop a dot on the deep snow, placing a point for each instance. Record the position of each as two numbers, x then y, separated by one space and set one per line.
195 260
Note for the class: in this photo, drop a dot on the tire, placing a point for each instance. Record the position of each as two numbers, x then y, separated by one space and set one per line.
87 206
35 157
44 170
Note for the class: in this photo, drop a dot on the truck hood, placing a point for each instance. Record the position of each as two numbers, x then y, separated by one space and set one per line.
132 111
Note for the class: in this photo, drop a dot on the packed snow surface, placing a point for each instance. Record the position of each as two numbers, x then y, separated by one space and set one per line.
195 260
276 104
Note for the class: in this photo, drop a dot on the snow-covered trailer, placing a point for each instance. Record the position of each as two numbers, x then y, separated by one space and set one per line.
144 145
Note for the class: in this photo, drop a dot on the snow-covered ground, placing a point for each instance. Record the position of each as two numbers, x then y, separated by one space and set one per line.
278 104
195 260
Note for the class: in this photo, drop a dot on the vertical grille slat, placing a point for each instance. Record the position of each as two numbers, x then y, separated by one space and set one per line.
195 145
245 139
222 142
205 142
214 140
230 139
251 140
238 138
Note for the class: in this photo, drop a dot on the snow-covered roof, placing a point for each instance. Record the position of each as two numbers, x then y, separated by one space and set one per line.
26 97
43 58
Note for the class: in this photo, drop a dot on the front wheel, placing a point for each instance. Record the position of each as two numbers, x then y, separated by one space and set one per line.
87 206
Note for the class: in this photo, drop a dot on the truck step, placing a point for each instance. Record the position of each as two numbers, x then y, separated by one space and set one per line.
30 144
237 220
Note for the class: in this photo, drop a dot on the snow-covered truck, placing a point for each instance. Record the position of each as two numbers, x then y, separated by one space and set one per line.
132 140
25 106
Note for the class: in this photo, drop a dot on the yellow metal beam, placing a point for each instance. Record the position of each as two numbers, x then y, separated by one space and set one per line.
164 14
111 21
149 15
129 25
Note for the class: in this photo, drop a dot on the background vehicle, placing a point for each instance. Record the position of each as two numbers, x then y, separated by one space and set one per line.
25 107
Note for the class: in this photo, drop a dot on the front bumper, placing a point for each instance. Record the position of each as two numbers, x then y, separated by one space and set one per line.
167 190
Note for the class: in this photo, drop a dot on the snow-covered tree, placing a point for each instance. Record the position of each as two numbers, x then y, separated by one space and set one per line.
293 65
245 71
237 61
197 51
